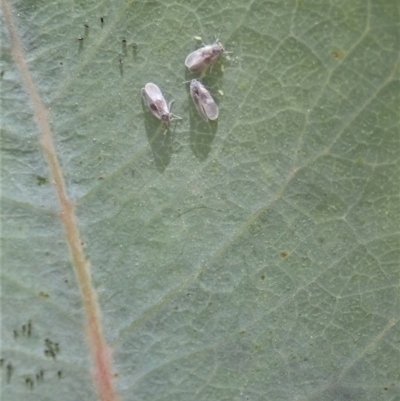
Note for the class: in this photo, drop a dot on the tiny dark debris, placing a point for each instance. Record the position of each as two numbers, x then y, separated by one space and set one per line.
29 382
40 376
10 369
51 348
41 180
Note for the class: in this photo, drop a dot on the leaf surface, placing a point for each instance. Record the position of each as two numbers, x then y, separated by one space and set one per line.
255 258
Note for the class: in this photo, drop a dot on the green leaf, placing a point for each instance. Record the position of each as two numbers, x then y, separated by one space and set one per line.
255 258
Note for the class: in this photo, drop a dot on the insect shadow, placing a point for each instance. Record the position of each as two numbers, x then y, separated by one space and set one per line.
202 133
160 139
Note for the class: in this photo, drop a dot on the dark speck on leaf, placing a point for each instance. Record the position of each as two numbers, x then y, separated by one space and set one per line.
29 382
338 54
284 255
10 369
41 180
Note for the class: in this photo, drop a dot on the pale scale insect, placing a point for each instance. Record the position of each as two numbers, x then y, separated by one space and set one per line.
203 101
157 104
204 57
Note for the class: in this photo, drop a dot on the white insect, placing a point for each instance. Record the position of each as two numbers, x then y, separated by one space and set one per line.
204 57
157 104
203 101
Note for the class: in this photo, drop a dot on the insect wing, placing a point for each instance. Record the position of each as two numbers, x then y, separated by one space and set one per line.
209 105
202 58
156 102
203 101
195 94
195 60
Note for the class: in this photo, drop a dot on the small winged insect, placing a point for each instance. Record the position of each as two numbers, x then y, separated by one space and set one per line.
203 101
204 57
157 104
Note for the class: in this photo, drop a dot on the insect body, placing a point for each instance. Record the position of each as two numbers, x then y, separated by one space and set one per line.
203 101
157 104
204 57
